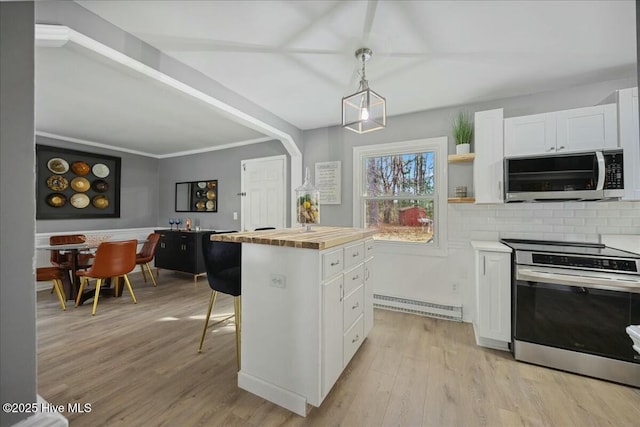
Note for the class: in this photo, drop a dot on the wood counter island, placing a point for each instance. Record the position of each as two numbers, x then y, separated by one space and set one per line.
307 305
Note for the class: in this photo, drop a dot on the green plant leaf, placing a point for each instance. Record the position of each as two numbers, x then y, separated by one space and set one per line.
462 129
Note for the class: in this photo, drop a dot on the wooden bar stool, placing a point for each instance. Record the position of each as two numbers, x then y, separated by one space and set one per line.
54 274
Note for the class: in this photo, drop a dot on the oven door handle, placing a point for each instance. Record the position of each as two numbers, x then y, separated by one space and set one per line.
610 284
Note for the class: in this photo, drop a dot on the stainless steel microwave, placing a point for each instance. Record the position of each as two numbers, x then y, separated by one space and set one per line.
596 175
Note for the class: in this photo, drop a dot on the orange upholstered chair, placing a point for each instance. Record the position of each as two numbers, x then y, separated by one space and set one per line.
112 259
55 275
63 260
146 254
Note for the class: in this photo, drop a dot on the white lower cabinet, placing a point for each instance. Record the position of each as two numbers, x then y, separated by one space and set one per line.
305 313
492 322
332 313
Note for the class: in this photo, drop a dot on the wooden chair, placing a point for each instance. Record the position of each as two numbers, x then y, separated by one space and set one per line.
112 260
146 254
54 274
222 262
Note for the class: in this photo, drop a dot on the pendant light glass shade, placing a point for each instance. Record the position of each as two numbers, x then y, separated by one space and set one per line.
365 110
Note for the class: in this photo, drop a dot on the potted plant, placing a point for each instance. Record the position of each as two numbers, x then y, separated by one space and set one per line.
462 132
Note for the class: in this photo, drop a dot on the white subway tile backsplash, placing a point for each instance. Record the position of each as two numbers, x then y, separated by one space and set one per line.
593 222
585 213
570 221
563 213
574 221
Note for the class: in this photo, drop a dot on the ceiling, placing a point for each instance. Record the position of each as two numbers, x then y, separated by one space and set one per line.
296 60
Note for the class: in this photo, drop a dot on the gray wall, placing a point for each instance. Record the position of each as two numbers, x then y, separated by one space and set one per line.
17 209
335 143
223 165
138 193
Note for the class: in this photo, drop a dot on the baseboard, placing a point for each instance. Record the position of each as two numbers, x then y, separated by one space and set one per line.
271 392
422 308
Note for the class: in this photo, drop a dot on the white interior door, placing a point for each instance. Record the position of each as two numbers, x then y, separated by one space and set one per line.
263 187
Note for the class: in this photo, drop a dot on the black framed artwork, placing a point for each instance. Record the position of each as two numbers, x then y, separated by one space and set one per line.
197 196
73 184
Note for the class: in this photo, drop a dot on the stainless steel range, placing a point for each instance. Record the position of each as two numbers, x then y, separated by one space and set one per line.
572 303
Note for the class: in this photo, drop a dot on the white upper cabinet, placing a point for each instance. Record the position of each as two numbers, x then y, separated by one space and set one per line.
488 166
589 128
579 129
528 135
630 141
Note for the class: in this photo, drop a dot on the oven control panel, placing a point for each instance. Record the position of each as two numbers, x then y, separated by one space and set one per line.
591 263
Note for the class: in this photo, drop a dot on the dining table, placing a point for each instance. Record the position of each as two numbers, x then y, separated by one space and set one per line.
72 286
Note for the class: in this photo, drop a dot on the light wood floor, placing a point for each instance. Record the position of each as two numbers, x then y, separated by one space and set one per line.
137 365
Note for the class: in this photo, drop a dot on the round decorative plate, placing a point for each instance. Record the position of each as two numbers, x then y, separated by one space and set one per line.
58 165
80 184
211 205
200 205
100 186
202 184
201 194
57 183
79 200
80 168
211 194
100 170
56 200
211 185
101 201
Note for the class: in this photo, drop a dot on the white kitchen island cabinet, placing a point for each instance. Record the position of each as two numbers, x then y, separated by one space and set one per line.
306 308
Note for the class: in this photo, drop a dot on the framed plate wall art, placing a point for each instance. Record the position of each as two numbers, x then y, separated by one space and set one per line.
73 184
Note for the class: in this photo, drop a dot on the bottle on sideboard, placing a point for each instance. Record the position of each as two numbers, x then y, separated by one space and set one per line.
188 224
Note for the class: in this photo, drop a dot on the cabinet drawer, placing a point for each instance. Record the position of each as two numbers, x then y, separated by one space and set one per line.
332 263
368 248
353 278
353 254
353 307
353 338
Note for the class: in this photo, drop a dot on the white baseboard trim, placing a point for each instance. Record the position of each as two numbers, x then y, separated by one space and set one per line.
288 400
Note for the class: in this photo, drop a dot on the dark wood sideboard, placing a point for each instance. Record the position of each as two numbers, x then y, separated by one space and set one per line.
181 250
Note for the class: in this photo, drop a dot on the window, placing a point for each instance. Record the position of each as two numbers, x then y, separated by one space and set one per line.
400 190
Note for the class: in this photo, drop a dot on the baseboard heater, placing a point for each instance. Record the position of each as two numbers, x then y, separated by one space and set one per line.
422 308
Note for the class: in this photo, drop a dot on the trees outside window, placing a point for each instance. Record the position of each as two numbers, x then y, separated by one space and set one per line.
400 190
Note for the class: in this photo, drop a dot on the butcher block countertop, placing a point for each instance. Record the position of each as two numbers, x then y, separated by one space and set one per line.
319 238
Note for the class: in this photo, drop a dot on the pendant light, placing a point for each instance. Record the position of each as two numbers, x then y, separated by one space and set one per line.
365 110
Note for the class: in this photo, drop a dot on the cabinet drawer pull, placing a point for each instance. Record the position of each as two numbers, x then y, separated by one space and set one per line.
356 339
355 306
333 264
356 277
356 254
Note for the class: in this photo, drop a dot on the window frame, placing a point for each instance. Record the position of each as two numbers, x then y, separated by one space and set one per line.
438 145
